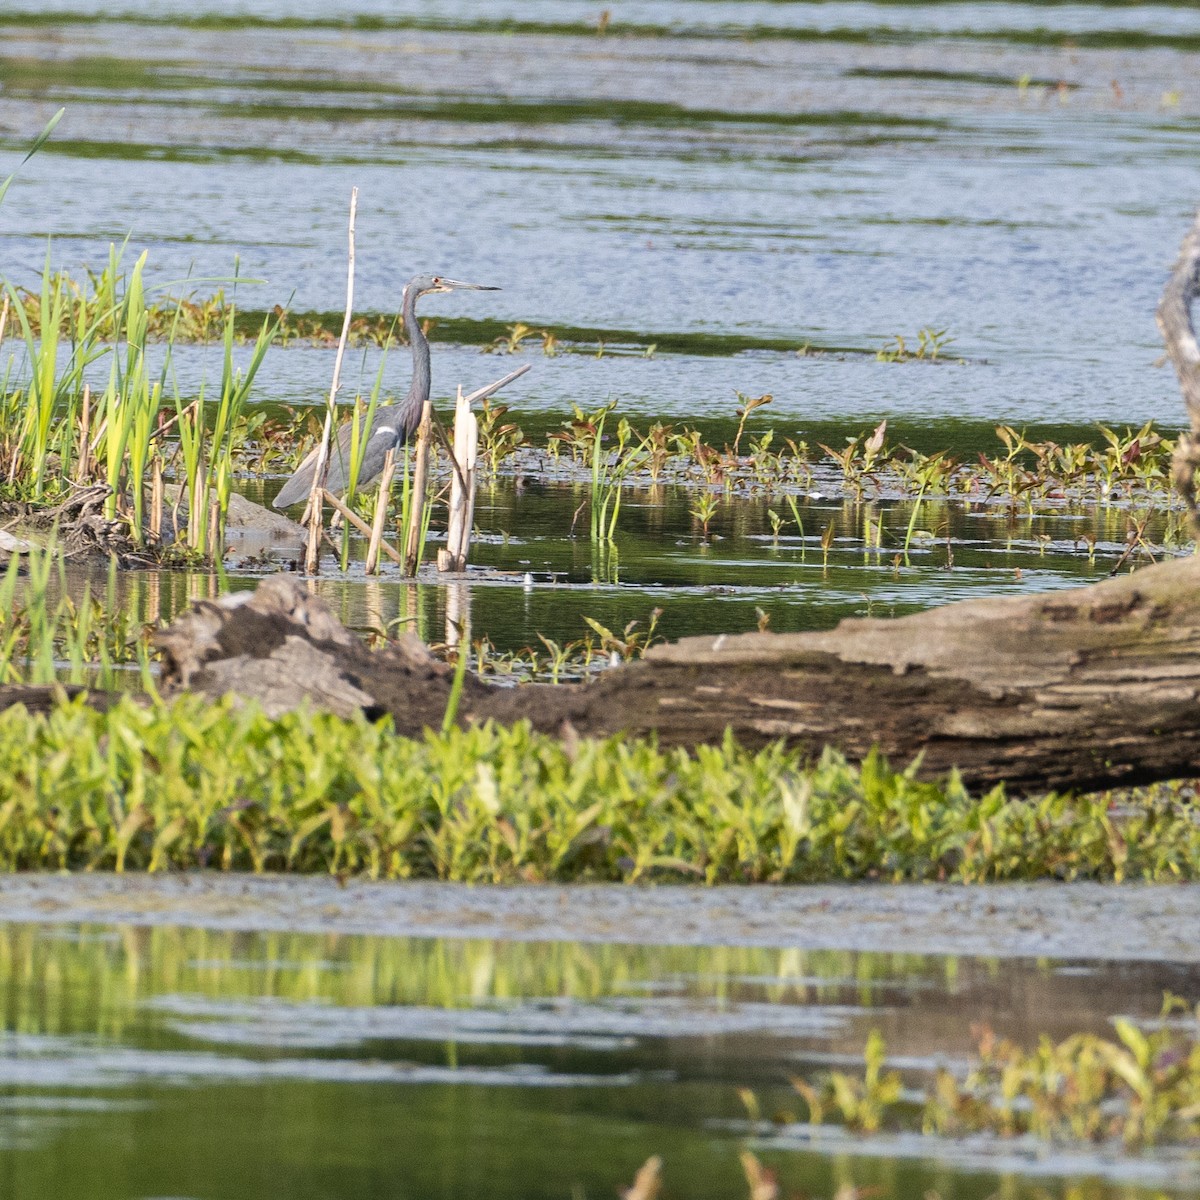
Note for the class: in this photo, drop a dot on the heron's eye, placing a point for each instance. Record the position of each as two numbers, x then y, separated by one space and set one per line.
437 279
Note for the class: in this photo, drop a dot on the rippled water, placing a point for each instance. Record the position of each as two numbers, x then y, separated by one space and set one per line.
830 174
180 1062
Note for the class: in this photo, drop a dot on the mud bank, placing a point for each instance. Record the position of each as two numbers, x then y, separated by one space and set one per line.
1076 921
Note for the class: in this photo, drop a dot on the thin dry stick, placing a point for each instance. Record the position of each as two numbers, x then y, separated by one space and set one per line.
198 506
156 500
484 392
416 514
381 509
85 422
360 525
462 499
479 394
214 527
165 426
447 559
1175 323
313 554
3 318
472 447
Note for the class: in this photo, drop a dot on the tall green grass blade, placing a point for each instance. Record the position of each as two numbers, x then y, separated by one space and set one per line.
38 143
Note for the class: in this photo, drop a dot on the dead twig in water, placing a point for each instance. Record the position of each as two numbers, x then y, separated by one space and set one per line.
312 554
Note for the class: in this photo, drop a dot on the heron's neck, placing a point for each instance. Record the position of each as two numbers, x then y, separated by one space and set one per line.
418 391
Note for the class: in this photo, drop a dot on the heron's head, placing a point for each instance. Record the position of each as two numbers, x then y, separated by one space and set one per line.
424 285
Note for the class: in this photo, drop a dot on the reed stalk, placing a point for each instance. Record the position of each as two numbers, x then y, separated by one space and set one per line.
417 520
83 457
462 488
316 515
354 519
381 511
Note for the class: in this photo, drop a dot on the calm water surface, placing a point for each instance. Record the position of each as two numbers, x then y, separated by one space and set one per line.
140 1062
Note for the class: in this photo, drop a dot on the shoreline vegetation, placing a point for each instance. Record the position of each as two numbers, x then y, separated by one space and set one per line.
95 402
139 788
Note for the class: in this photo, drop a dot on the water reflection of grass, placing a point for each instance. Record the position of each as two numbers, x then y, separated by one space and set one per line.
92 979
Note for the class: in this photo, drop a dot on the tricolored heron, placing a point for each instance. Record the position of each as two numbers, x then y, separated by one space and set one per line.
394 423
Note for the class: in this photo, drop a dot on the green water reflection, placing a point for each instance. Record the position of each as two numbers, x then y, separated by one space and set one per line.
182 1062
532 575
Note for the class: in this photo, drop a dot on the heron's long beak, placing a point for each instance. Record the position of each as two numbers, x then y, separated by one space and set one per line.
450 285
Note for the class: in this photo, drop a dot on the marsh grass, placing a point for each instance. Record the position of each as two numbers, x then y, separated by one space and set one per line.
68 333
1138 1088
143 787
46 636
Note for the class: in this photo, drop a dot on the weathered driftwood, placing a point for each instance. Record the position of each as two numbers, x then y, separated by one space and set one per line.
1086 688
281 647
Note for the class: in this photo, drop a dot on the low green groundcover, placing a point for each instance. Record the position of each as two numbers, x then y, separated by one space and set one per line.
193 784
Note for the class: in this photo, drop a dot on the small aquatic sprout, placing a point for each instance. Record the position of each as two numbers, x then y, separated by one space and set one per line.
799 521
859 463
704 507
633 643
769 466
827 536
657 446
513 340
579 435
610 468
930 344
746 405
924 472
692 446
796 465
498 439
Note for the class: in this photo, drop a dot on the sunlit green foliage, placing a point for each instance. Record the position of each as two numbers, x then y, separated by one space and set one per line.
151 787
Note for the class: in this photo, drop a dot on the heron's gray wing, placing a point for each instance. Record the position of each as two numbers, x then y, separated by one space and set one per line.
300 484
383 438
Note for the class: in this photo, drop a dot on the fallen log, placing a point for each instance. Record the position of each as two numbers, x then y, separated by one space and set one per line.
1085 689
